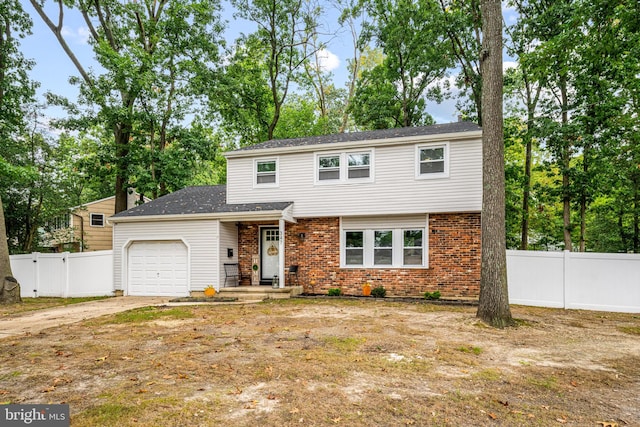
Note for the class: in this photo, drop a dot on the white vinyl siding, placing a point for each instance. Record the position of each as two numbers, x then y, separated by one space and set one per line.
383 242
201 237
228 240
392 188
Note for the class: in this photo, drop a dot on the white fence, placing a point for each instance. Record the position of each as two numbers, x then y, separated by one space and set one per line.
64 274
590 281
576 280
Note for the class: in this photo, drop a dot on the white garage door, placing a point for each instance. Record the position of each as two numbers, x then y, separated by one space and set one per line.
158 269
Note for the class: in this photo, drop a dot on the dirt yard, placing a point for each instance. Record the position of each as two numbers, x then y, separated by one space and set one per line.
307 362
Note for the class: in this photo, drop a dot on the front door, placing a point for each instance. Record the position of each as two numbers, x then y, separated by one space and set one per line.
269 248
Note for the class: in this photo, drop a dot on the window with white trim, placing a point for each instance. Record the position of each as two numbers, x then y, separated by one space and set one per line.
382 248
329 167
352 166
412 247
96 219
354 248
432 161
266 172
359 165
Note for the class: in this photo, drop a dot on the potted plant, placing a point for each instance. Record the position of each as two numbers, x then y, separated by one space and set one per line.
209 291
366 289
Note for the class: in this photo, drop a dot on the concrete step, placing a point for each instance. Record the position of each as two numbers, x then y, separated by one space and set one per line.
244 293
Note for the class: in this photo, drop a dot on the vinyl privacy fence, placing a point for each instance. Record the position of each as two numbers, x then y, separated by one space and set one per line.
65 275
590 281
575 280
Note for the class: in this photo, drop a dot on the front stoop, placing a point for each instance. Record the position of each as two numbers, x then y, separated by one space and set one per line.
252 293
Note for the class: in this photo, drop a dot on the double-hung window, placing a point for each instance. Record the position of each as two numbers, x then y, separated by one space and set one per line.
347 167
354 248
266 172
432 161
383 248
329 167
359 165
412 247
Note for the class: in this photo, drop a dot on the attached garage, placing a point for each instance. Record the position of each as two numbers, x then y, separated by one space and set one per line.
177 245
158 269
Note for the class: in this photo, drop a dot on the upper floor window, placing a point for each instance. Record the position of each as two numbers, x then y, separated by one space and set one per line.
432 161
359 165
344 167
328 167
96 219
266 172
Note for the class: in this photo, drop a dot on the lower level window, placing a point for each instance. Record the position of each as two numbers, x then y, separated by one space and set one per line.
384 247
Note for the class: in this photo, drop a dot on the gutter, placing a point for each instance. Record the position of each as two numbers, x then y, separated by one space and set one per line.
228 216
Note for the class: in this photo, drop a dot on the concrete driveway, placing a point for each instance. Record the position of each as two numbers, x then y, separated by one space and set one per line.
36 321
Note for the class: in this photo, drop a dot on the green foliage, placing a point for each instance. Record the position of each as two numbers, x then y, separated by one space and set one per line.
378 292
394 92
334 292
432 295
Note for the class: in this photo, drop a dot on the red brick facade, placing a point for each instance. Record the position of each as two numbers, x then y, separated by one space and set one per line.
454 258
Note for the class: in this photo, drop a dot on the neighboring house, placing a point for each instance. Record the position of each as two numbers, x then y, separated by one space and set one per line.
398 208
84 228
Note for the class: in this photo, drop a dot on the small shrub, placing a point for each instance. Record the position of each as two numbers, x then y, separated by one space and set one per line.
378 292
335 292
432 295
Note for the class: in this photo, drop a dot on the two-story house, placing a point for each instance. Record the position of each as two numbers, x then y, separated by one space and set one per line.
398 208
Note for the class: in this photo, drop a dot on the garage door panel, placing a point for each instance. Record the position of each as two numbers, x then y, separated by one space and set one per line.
158 269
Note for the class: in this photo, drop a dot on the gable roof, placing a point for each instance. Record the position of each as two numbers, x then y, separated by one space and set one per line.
210 199
438 129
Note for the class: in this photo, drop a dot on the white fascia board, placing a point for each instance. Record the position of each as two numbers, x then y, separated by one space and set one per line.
453 136
223 216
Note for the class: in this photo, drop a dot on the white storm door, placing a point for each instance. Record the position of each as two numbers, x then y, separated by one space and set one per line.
269 248
157 269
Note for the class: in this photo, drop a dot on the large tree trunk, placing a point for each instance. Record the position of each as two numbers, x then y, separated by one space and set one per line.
493 307
9 286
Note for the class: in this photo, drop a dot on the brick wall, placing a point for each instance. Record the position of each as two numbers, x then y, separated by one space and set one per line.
454 258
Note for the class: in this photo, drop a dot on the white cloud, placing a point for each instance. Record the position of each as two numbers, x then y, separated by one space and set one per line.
79 36
327 60
509 64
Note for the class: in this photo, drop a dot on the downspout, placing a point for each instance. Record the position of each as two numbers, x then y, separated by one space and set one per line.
81 230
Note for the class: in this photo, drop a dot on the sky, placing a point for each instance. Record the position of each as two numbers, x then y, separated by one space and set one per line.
53 68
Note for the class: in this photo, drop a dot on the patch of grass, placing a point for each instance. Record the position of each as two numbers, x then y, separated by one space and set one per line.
346 344
632 330
469 349
488 375
334 292
106 414
10 375
549 383
146 314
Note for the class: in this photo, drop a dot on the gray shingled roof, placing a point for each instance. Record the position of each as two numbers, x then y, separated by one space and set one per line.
197 200
367 136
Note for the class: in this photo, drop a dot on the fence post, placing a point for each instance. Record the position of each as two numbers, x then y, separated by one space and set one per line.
36 273
65 260
566 261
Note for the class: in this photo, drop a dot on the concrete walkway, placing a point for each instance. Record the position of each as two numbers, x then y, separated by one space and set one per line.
35 321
